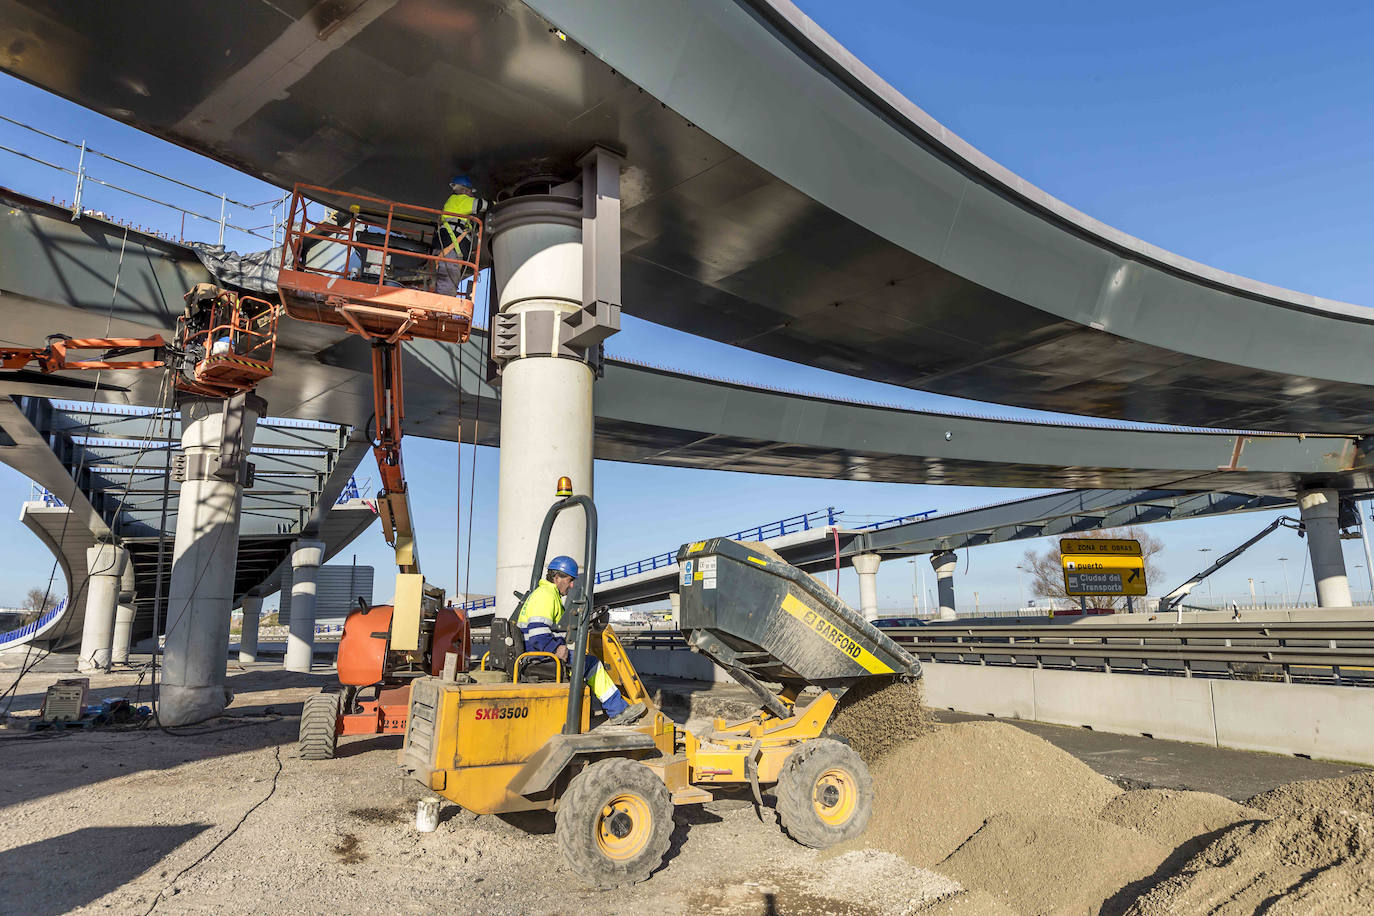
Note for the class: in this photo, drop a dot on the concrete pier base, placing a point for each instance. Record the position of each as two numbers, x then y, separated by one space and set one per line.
201 594
1320 510
866 565
306 557
248 632
945 563
105 565
124 618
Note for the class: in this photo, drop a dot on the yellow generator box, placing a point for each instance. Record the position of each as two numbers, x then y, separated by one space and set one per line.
65 700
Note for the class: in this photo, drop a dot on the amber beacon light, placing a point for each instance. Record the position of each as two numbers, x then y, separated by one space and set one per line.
564 486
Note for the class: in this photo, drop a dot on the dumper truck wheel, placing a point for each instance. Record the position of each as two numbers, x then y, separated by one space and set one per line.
614 823
824 793
319 726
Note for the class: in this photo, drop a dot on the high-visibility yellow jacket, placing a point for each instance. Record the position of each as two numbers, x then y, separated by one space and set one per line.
453 230
539 615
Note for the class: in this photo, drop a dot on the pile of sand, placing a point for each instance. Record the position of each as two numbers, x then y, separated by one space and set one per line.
1183 822
1315 856
1045 863
1354 792
878 714
935 792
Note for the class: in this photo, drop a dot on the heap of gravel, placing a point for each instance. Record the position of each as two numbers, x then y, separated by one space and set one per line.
935 792
1316 855
879 714
880 881
969 903
1047 863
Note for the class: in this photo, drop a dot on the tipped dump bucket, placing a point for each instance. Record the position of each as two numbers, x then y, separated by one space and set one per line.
763 619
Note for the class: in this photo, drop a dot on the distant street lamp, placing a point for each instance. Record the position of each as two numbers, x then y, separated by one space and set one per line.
1020 591
1206 550
1284 562
916 584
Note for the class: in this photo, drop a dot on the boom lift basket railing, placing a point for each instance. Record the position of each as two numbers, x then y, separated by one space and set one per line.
229 341
385 270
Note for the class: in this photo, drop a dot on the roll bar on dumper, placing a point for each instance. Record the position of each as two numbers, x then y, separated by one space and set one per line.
496 741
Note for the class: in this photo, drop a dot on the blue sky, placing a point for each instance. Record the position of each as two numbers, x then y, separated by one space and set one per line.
1242 142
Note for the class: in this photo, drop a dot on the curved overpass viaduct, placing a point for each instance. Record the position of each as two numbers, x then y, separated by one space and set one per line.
777 194
59 276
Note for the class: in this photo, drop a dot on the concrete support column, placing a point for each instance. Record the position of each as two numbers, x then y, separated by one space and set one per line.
105 564
1320 509
248 633
866 565
124 618
945 562
306 557
200 597
547 341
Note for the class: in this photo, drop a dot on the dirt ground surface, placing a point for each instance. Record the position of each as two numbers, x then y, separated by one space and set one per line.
225 818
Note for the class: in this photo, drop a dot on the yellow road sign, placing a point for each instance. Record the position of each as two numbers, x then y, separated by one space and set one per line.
1100 546
1098 574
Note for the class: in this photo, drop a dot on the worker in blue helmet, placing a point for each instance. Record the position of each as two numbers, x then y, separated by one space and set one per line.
539 618
463 212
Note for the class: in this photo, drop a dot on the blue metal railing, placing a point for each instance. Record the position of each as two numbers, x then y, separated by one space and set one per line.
32 627
37 494
821 518
352 490
776 529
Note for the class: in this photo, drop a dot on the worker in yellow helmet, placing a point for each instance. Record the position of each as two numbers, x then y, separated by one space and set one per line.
462 212
541 614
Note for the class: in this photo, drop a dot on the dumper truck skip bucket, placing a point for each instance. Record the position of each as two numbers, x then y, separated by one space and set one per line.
731 596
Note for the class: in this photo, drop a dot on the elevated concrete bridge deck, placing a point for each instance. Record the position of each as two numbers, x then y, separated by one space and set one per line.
59 275
777 193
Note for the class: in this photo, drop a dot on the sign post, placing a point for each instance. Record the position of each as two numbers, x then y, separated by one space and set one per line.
1101 566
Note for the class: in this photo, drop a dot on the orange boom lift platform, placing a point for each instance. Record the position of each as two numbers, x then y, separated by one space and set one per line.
380 269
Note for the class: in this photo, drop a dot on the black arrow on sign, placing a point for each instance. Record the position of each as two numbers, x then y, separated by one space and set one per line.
1135 574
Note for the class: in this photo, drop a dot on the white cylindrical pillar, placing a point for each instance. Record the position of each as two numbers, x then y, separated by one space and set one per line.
1320 510
866 565
306 557
105 565
200 596
546 399
124 618
248 631
945 562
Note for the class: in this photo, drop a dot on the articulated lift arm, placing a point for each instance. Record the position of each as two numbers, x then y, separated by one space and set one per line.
1175 597
54 357
393 500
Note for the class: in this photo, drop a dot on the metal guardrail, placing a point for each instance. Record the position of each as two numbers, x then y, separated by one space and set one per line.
82 176
1338 651
1343 651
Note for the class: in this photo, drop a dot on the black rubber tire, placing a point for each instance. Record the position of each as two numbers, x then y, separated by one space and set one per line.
800 782
319 727
581 823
